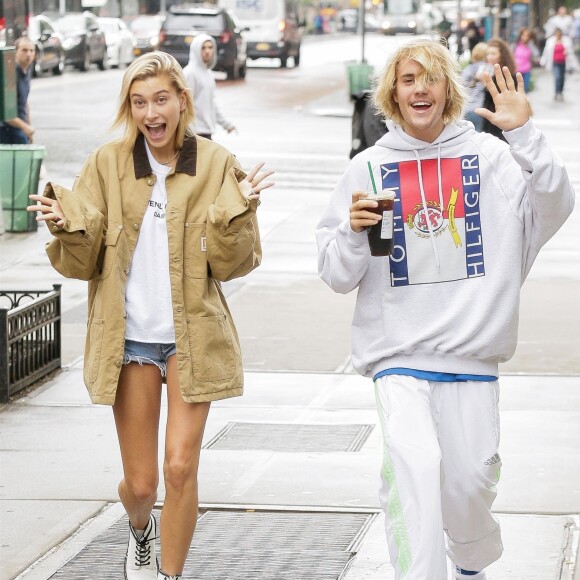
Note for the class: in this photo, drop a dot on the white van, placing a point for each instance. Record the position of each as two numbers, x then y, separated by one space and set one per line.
275 27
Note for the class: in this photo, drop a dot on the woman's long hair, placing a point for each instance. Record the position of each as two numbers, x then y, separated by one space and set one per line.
506 58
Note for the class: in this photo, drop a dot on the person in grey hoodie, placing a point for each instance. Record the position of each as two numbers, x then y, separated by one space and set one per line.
434 319
202 59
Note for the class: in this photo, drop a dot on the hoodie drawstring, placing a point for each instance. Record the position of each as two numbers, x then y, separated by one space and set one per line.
424 201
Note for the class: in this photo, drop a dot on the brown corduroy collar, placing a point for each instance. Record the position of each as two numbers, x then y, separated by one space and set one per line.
186 162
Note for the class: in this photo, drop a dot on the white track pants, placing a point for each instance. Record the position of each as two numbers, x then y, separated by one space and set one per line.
439 473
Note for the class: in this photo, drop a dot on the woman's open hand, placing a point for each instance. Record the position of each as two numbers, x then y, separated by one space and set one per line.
254 183
49 210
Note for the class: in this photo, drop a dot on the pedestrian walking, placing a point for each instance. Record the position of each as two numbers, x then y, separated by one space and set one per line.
558 56
435 318
202 59
498 53
19 131
525 54
155 222
561 20
473 35
472 76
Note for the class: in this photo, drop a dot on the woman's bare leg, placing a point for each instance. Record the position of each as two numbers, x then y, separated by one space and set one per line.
136 412
185 426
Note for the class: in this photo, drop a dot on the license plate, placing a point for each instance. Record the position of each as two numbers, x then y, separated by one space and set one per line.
262 46
188 39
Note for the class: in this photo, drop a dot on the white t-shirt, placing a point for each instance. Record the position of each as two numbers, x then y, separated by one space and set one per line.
148 291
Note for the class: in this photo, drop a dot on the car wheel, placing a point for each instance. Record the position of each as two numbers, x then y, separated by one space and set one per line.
297 58
103 64
59 68
243 70
36 69
233 72
284 60
85 63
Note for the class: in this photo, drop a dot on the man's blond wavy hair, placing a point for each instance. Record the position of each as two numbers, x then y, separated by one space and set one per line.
437 63
154 64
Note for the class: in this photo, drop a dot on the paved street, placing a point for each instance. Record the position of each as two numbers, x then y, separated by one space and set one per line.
58 453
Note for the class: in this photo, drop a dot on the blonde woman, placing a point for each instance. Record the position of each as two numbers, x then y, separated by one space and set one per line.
472 76
155 221
435 318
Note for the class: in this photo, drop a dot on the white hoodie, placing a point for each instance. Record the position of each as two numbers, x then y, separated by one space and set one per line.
202 83
447 299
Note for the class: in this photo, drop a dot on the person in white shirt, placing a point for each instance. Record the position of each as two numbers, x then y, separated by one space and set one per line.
434 319
561 20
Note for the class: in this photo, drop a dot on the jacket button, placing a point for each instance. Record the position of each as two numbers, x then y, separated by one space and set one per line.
135 226
179 308
119 227
126 271
118 363
150 181
176 259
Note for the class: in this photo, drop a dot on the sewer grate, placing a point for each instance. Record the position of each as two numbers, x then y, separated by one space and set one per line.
242 545
290 437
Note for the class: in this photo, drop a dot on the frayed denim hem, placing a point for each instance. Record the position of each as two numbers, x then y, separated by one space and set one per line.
141 360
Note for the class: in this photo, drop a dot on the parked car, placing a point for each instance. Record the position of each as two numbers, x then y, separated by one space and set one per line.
120 41
274 28
348 21
184 22
84 40
145 29
49 45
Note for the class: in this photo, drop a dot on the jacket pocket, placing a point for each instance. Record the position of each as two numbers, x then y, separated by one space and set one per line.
194 250
212 349
111 239
95 340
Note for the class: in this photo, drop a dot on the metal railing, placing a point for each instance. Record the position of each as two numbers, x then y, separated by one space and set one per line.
30 340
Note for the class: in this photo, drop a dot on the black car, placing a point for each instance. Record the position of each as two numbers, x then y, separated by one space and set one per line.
183 23
49 45
84 40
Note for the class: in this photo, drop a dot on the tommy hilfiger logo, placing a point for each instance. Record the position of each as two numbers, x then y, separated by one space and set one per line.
493 460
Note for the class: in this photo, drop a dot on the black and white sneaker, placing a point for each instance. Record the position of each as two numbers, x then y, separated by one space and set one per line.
163 576
141 561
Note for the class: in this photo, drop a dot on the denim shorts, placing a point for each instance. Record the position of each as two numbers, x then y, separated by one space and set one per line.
153 353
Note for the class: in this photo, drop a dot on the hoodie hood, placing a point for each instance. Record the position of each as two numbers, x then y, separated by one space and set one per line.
195 47
452 135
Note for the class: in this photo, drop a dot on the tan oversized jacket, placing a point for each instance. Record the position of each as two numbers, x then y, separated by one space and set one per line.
213 237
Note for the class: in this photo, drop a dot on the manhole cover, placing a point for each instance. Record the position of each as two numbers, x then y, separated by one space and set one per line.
290 437
241 545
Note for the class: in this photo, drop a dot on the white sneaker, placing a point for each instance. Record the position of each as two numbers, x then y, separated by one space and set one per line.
141 561
162 576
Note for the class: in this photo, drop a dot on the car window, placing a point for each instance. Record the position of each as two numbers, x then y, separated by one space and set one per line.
184 22
71 23
143 26
109 25
253 10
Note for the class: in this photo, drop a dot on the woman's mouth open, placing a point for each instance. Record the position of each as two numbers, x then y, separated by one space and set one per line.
156 131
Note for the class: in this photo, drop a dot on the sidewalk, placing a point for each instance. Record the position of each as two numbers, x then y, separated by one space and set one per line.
288 485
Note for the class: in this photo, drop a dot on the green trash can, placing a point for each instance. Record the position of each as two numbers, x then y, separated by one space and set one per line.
19 175
360 77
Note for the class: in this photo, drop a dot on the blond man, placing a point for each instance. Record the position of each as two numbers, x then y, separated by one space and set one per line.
434 319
